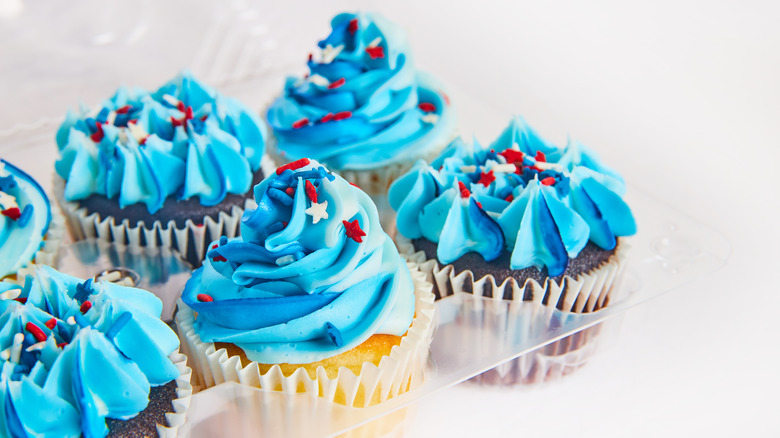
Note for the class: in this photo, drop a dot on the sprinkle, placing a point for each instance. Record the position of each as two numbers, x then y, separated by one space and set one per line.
355 185
111 118
329 53
204 298
334 334
279 195
290 192
353 26
36 331
319 80
16 349
14 213
311 57
540 157
548 181
51 323
11 294
486 178
85 307
219 258
215 246
353 230
7 201
120 322
297 164
464 192
511 155
71 320
62 344
430 118
172 101
180 106
311 191
427 107
337 83
504 168
375 52
375 42
35 347
326 118
5 354
317 211
285 260
26 215
300 123
446 98
98 134
123 110
342 115
509 198
21 299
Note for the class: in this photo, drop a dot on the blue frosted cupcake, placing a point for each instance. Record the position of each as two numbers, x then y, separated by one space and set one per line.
363 110
172 168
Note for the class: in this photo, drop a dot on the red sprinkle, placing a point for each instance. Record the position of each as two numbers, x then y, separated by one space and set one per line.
297 164
36 331
13 212
180 106
188 114
326 118
446 98
353 230
133 121
427 107
353 26
284 224
290 192
97 135
311 57
548 181
512 156
176 122
300 123
204 298
534 168
540 157
375 52
62 344
215 246
519 167
479 204
342 115
219 258
124 110
85 307
464 192
21 300
204 117
336 84
143 140
51 323
509 198
486 178
311 191
355 185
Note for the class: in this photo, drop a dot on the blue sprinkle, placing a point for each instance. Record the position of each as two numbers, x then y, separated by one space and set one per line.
80 320
120 322
90 124
7 183
334 334
286 177
122 119
298 255
278 226
24 219
103 115
328 175
280 196
278 184
83 291
223 241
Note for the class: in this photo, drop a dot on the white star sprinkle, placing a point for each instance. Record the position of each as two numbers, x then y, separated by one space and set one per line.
7 201
430 118
329 53
318 211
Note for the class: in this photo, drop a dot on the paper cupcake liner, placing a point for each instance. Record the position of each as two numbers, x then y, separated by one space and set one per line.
397 373
548 303
183 398
85 225
50 248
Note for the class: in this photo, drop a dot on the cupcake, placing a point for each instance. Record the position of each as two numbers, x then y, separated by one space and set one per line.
173 168
313 297
363 110
30 230
84 358
520 220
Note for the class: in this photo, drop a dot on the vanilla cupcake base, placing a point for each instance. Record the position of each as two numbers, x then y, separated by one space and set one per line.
397 373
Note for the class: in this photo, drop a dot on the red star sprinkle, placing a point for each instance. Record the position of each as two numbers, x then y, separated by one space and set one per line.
353 26
326 118
204 298
464 192
427 107
97 135
311 191
297 164
180 106
353 230
219 258
548 181
509 198
300 123
36 331
85 307
50 324
375 52
342 115
124 110
512 156
337 83
290 192
13 212
540 157
486 178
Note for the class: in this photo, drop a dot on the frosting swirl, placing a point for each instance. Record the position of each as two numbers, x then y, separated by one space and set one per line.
511 196
76 352
25 215
363 105
183 140
312 275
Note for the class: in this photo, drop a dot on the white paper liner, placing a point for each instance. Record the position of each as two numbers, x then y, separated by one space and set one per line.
183 398
52 241
397 373
588 292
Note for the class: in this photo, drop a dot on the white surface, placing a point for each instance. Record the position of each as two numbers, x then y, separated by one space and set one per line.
683 99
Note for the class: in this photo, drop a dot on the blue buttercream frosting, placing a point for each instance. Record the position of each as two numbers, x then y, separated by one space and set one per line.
75 352
312 275
363 105
183 140
25 218
521 194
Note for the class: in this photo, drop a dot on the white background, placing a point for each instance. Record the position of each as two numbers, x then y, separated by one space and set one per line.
682 97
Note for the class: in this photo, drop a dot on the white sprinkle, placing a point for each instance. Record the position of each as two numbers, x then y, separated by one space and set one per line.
468 169
139 133
515 146
171 100
127 281
319 80
549 166
36 346
10 294
16 349
71 320
504 168
329 53
430 118
111 117
5 354
317 211
285 260
375 42
110 276
7 201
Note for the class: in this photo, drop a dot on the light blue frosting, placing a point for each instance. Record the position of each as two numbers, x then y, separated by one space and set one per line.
387 100
544 208
149 146
93 365
293 291
21 237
